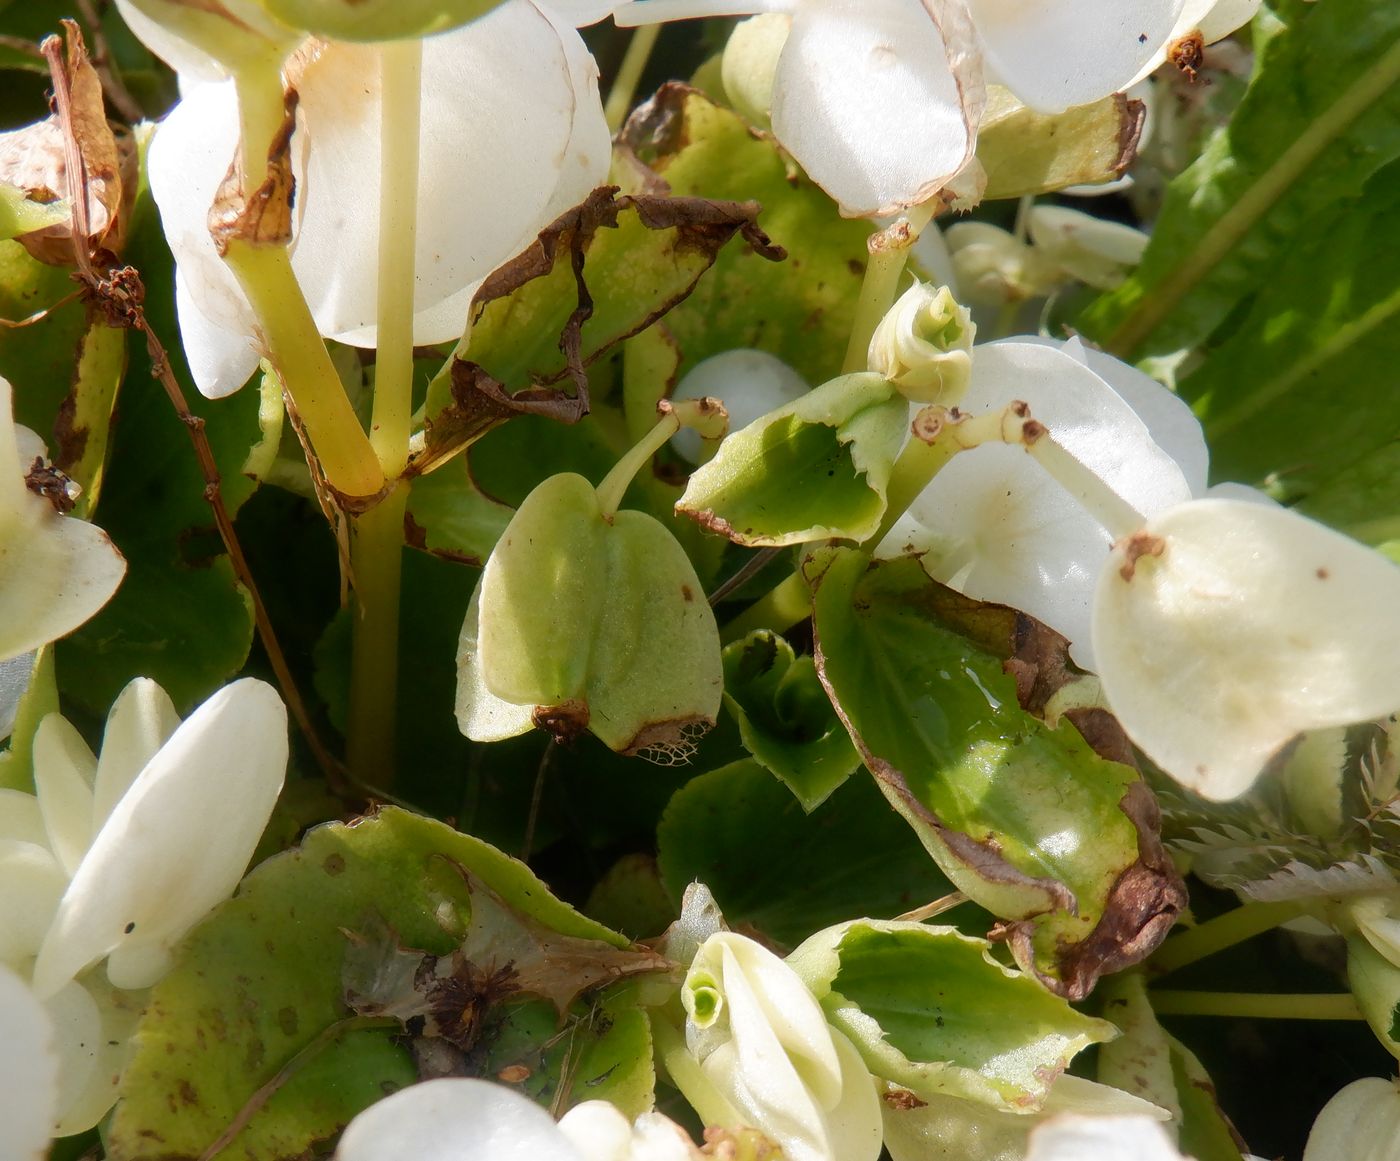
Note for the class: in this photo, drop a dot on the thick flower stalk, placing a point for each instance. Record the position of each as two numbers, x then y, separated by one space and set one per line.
109 860
880 100
511 134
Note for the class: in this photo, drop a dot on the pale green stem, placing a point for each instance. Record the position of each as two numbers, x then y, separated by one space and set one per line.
299 354
376 555
261 110
619 479
889 252
1257 1006
1104 504
1221 932
709 1103
376 548
629 73
783 606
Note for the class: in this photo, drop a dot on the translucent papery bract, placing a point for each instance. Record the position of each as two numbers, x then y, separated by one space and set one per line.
175 845
775 1059
999 529
28 1072
455 1119
55 571
1079 1138
877 100
1360 1123
512 133
93 1025
1054 56
1225 628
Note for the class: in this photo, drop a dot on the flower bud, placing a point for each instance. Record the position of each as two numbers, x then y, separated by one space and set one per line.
1360 1123
1098 253
924 346
368 20
994 268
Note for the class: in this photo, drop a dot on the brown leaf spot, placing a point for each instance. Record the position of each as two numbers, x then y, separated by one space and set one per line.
902 1099
287 1020
334 863
513 1074
1322 574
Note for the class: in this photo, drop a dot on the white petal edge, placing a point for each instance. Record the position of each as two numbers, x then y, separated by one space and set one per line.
140 722
1071 1137
1054 55
1360 1123
153 871
748 382
1253 625
874 104
63 775
455 1120
28 1072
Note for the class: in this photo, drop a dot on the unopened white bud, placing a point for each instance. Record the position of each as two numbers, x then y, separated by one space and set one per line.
924 345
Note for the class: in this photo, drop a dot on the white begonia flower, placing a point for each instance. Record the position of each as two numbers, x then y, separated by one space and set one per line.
29 1069
993 526
1223 628
994 268
763 1044
1073 1137
55 571
512 133
1212 19
458 1119
113 855
879 100
1098 253
155 865
1360 1123
923 345
747 382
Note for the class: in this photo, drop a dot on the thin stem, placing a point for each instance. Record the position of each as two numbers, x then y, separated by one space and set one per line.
1104 504
324 1039
1257 1006
619 479
261 110
783 606
937 907
755 564
629 73
376 557
889 252
295 346
1221 932
376 547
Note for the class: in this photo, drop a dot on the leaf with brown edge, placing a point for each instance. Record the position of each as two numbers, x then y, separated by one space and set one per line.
1028 821
599 273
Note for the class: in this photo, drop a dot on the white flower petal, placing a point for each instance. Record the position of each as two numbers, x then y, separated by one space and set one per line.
55 571
1360 1123
220 360
63 776
1097 252
21 818
140 722
749 383
1054 55
598 1131
28 1072
159 865
34 883
999 529
498 118
178 54
77 1035
875 105
1253 624
98 1052
1071 1137
455 1120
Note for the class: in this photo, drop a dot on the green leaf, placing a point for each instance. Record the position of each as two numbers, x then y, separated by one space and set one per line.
813 469
598 274
631 898
1150 1063
1321 116
785 717
774 867
1027 821
261 980
449 516
929 1009
800 310
19 214
1322 334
